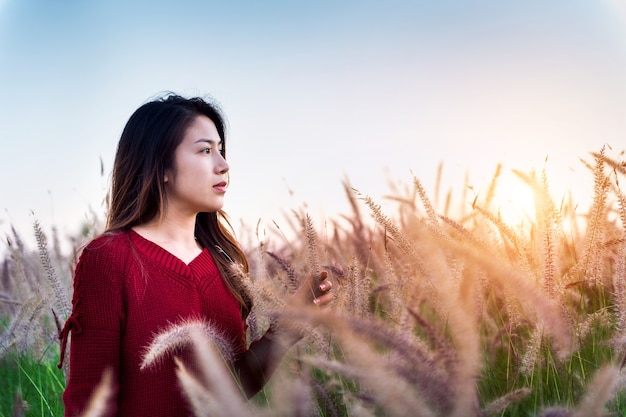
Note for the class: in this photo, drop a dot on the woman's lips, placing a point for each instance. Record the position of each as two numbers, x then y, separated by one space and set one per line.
221 187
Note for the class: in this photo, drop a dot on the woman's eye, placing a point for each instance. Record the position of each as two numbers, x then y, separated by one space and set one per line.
206 150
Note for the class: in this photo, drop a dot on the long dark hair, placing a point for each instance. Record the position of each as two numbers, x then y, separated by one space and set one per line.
144 153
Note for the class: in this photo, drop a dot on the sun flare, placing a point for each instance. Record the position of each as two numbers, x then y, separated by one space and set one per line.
514 201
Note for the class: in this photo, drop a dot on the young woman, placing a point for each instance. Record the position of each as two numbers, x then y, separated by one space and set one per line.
164 259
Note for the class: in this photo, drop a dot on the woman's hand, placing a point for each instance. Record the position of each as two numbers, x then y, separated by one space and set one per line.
257 364
315 290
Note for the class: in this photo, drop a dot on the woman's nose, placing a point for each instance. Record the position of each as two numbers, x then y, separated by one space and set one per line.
222 166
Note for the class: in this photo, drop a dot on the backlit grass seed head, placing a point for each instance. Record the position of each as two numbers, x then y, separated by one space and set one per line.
213 391
400 239
19 329
100 400
311 240
430 211
61 300
531 355
589 266
200 400
178 336
600 390
402 361
291 273
556 412
497 406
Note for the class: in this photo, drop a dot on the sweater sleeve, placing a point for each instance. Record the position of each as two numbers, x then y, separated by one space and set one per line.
255 366
95 324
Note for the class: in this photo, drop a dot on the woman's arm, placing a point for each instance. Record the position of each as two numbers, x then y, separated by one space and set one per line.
95 325
256 365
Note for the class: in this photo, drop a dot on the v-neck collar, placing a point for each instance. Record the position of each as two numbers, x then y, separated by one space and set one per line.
199 266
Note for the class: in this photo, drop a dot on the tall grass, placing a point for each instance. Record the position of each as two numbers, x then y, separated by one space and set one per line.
438 311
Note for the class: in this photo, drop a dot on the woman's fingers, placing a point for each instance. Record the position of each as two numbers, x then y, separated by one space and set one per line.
326 285
324 299
323 296
316 290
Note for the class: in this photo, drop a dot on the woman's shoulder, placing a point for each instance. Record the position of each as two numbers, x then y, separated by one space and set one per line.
113 245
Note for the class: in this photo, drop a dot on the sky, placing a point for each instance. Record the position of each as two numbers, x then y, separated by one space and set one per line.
315 93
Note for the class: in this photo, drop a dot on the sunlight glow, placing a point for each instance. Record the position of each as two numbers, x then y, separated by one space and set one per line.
514 200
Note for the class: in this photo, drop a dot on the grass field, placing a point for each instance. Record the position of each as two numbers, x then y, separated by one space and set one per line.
439 310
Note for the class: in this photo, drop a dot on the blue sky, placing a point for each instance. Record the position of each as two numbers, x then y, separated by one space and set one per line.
314 92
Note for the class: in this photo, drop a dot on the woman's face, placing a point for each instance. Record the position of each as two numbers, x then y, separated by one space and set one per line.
198 181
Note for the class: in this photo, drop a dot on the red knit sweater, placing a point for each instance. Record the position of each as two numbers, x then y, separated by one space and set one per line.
127 289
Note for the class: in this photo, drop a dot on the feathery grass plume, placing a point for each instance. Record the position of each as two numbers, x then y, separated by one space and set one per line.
619 274
328 405
438 177
19 328
311 240
358 409
497 406
200 400
269 305
388 390
618 166
401 240
493 185
556 412
396 294
19 242
531 355
463 233
5 280
430 211
290 391
99 402
590 264
332 365
301 397
344 298
601 317
433 218
214 391
544 308
61 300
24 333
403 356
266 296
178 336
456 305
442 347
291 273
253 332
600 390
521 253
464 332
357 237
355 290
549 223
56 245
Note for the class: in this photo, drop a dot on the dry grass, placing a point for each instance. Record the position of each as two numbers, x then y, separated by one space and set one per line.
437 312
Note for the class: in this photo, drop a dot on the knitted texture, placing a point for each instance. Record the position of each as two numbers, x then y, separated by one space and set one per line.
126 290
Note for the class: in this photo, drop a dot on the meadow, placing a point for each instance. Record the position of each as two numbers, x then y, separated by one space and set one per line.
439 310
